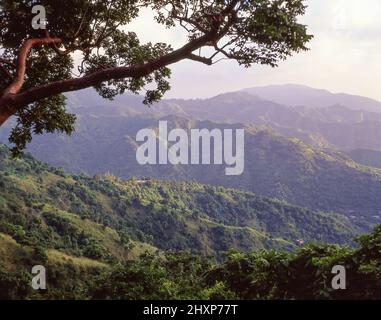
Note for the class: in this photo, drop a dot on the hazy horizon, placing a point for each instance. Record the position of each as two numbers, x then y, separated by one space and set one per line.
243 89
344 55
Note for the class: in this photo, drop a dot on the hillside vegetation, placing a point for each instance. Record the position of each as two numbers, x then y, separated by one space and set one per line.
102 238
104 217
182 275
275 166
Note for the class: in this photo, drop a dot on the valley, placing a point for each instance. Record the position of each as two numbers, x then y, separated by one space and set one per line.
283 167
93 213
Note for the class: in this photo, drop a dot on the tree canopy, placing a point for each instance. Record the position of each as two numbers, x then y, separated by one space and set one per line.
86 43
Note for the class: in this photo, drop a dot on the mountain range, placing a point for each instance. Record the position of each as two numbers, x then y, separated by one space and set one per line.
104 238
93 215
299 95
301 167
323 119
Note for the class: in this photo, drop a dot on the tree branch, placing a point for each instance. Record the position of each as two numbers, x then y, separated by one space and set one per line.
11 102
197 58
18 80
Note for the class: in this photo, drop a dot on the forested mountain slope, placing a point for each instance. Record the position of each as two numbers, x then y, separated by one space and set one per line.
105 218
275 166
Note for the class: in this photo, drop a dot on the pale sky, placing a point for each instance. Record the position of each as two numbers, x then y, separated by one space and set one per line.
345 55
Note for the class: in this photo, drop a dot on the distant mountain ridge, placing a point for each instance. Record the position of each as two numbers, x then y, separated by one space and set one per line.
317 177
284 168
335 126
299 95
344 123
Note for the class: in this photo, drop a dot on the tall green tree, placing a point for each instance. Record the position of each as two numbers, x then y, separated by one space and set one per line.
37 65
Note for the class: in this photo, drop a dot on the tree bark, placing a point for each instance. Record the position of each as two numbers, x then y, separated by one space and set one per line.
18 80
12 100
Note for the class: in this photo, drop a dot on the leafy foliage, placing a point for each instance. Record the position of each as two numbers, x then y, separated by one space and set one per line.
103 238
114 60
266 275
101 217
